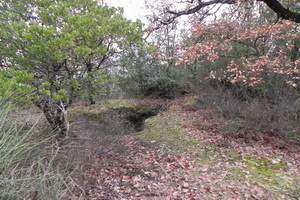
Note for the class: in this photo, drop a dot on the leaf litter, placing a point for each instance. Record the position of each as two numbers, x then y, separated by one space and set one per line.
124 167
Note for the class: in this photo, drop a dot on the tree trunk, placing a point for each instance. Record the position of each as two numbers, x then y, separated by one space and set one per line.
90 84
91 99
56 115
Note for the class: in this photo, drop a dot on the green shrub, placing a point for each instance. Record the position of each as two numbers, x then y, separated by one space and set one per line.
163 87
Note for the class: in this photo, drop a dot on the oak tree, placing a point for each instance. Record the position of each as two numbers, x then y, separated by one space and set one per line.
258 50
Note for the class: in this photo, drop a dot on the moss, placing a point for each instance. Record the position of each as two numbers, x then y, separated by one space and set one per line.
294 135
190 103
115 104
236 156
143 107
264 171
165 129
264 164
98 111
124 111
96 116
91 114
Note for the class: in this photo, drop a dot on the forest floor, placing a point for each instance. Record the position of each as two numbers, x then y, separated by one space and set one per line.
179 154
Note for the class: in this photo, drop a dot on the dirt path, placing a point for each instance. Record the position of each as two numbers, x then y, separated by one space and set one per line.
178 155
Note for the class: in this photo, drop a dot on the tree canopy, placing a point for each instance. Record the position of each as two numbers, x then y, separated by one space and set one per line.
60 47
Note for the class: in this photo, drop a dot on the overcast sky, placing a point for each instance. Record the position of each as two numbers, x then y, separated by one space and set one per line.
133 9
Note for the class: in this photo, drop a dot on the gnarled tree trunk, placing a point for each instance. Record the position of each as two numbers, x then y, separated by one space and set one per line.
56 115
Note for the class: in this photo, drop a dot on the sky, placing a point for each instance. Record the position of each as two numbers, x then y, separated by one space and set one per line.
133 9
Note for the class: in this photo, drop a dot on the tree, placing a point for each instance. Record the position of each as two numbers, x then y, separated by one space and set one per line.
62 46
193 6
149 68
258 50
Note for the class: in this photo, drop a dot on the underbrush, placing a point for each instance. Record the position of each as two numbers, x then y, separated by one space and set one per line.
26 162
254 118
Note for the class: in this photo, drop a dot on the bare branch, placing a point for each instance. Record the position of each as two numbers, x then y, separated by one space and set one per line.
194 9
282 12
275 5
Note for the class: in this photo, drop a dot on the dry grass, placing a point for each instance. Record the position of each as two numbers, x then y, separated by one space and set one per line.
27 155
